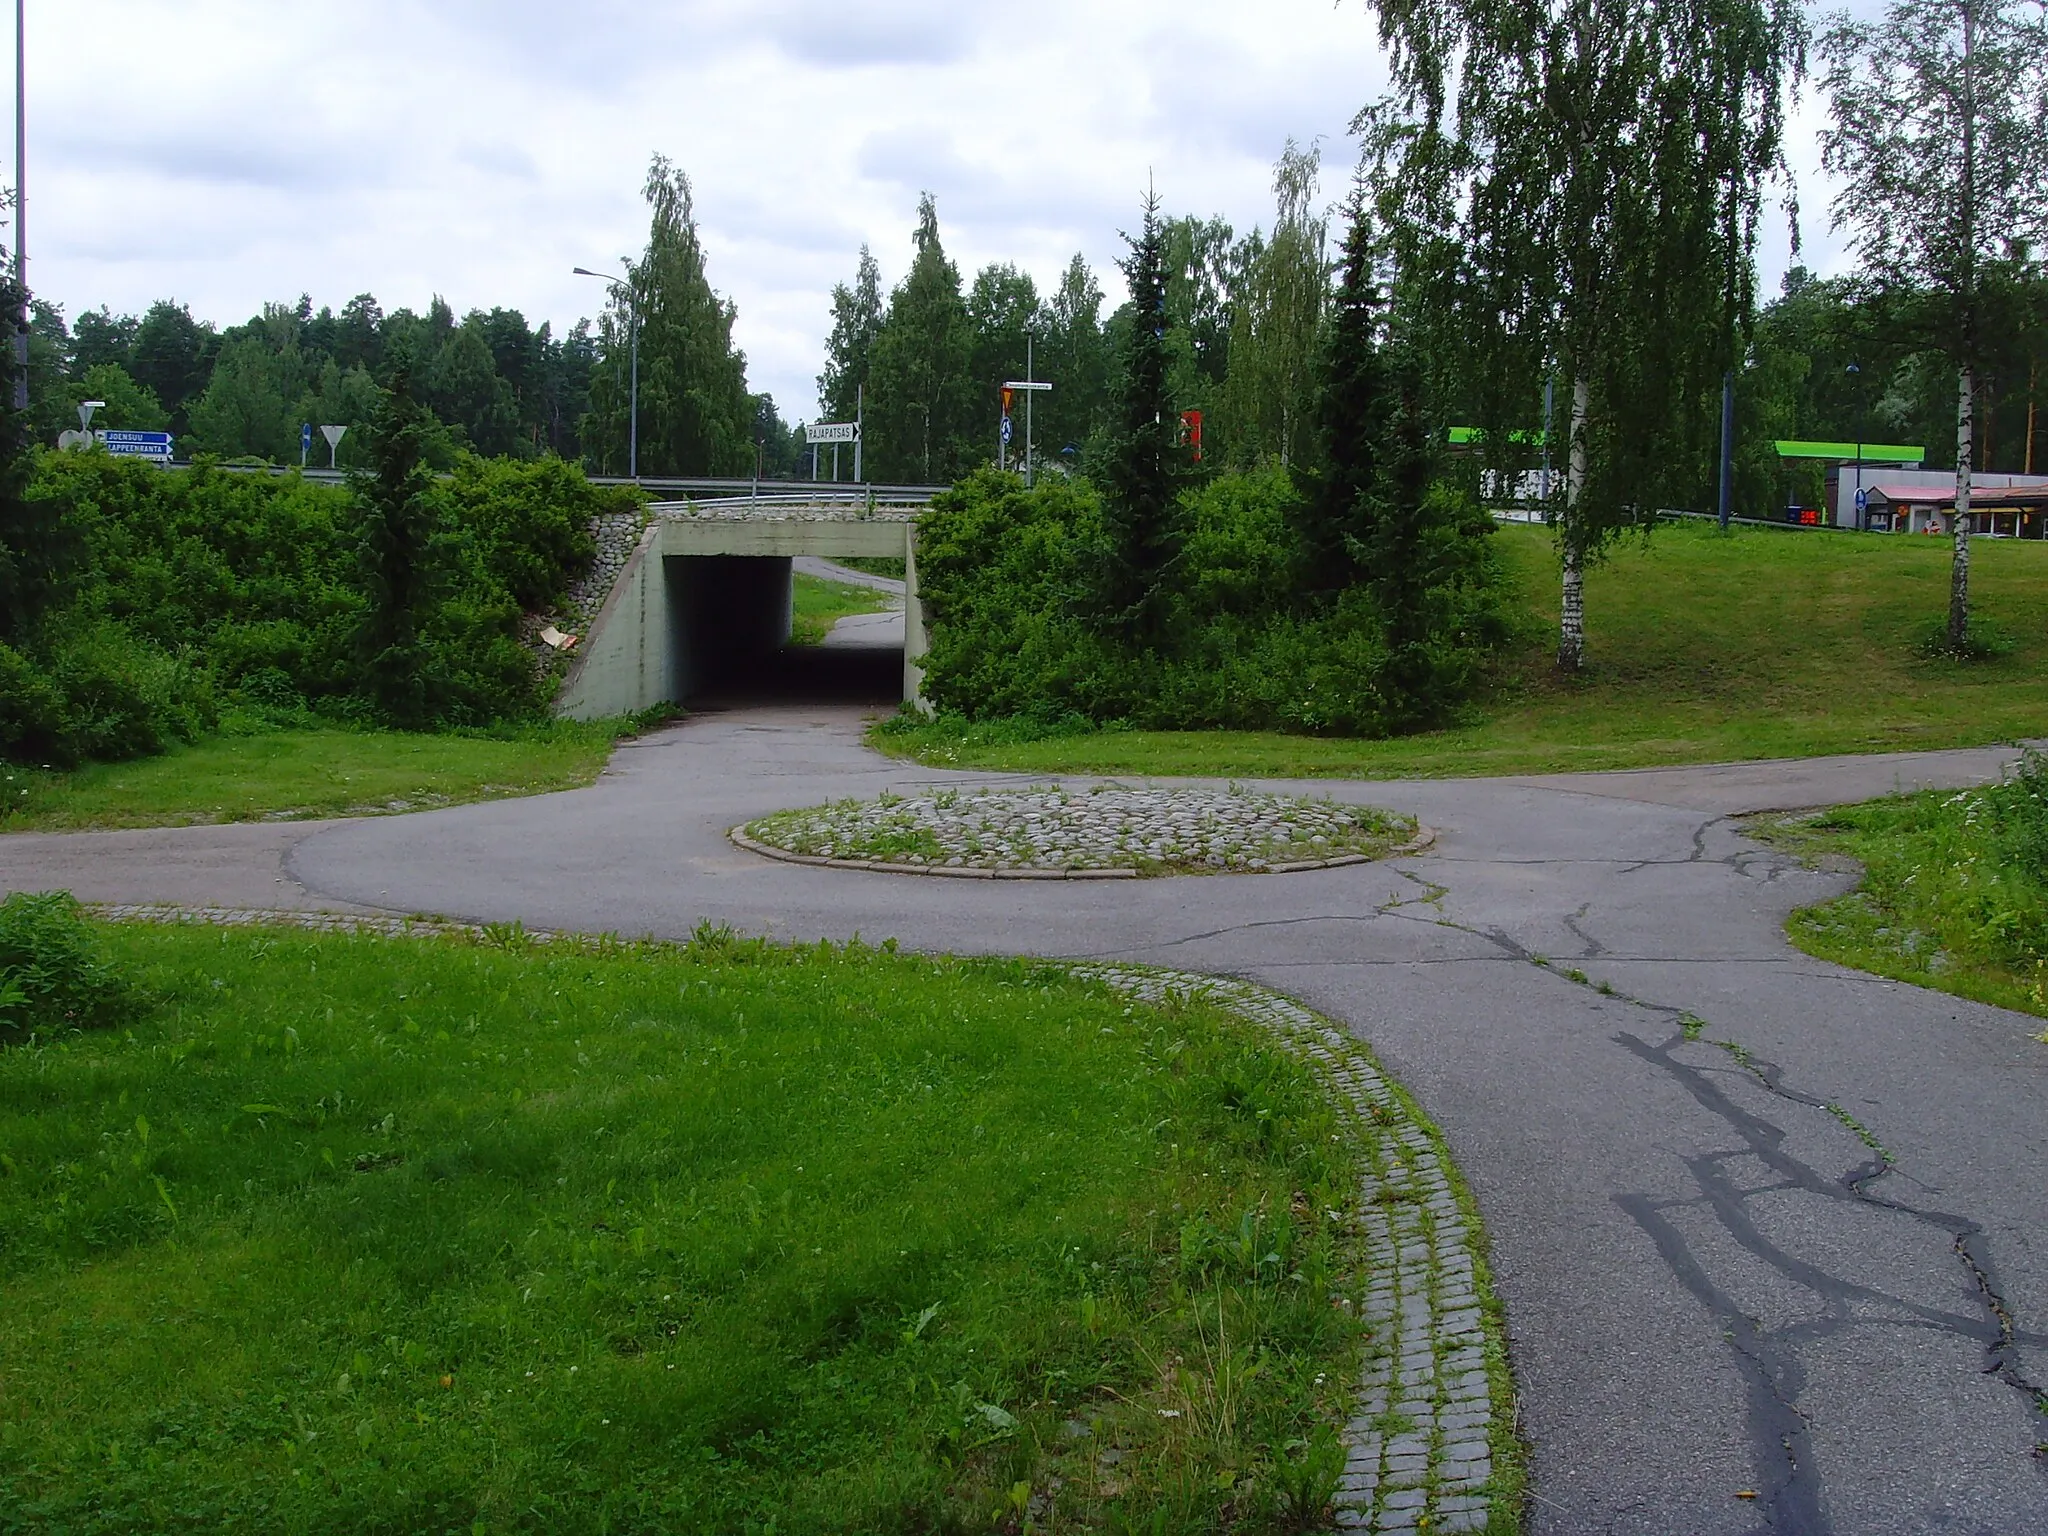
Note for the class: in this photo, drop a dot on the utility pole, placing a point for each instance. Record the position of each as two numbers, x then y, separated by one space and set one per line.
1862 518
860 412
1029 339
21 202
633 423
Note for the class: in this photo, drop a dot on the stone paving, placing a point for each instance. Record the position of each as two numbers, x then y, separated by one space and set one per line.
1108 830
1419 1446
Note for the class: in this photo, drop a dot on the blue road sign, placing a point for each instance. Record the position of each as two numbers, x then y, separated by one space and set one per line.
138 445
1006 431
1863 501
305 441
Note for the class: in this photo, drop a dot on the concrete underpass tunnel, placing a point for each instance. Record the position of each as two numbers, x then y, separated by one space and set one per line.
701 616
734 613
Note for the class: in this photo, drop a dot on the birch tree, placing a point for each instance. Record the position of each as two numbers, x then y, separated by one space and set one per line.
1268 395
1938 129
1574 186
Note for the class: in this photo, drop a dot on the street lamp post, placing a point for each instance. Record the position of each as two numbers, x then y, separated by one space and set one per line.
633 422
1862 517
21 203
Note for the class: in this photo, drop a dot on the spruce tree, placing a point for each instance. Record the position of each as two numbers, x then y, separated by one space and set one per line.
1145 466
38 548
1336 518
1380 516
396 523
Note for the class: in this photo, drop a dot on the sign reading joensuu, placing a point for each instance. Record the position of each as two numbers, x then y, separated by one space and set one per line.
832 432
138 445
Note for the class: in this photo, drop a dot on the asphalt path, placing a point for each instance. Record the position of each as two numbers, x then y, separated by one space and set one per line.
1811 1268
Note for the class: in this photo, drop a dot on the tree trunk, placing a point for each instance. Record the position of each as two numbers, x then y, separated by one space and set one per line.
1571 632
1959 572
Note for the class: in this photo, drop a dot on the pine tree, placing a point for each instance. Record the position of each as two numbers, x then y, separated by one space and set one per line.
396 523
1145 466
921 405
856 317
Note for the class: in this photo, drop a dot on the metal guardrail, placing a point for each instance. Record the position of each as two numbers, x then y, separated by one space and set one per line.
678 488
798 490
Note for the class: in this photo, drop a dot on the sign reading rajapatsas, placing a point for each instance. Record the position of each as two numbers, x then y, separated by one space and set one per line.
832 432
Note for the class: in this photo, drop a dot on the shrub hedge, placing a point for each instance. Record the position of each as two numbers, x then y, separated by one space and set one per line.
1248 642
174 595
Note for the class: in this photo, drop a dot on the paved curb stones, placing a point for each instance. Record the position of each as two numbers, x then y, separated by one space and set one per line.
1419 1447
1428 1361
1425 837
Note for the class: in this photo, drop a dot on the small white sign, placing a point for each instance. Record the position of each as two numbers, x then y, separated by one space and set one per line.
832 432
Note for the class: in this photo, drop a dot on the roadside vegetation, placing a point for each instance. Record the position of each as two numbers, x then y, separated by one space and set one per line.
1954 893
1702 647
819 604
347 1233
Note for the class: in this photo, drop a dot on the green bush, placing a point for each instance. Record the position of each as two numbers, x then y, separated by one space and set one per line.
531 522
1247 641
188 592
53 973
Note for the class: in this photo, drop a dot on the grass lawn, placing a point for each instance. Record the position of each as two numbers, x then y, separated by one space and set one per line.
296 774
819 604
1702 647
347 1234
1954 895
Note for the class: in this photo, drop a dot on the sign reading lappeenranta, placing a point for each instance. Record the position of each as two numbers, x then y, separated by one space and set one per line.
832 432
138 445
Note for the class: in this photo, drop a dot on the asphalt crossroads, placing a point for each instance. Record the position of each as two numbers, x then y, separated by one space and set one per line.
1715 1287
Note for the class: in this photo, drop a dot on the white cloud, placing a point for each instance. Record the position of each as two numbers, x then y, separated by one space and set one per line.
229 152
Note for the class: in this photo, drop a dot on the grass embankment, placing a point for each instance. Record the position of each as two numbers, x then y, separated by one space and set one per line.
301 774
1703 647
819 604
1954 894
350 1234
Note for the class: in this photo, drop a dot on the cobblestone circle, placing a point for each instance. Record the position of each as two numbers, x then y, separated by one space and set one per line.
1109 830
1419 1446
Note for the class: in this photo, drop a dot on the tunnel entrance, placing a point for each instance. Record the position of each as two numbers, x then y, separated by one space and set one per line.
700 614
735 615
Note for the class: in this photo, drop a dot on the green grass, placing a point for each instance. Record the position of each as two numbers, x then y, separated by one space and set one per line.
297 774
1703 647
1954 893
347 1234
819 604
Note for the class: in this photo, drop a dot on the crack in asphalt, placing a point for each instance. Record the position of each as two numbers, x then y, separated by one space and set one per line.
1791 1499
1594 949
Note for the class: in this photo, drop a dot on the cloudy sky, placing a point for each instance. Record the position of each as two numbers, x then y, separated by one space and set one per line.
228 152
